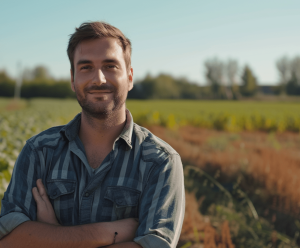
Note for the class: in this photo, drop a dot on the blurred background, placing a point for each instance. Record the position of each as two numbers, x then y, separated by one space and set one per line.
218 80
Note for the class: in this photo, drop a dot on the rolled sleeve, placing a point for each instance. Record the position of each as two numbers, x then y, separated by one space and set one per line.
152 240
18 205
162 206
10 221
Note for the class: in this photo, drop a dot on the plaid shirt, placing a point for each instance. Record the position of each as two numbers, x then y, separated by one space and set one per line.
141 177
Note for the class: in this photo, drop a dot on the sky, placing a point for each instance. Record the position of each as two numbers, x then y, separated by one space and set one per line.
168 36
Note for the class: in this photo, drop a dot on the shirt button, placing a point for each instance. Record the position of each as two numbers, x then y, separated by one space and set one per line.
87 194
54 193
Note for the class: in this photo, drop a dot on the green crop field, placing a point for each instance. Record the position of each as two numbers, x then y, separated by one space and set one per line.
222 115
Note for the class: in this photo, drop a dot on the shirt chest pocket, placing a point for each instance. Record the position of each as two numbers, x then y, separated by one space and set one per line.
124 201
61 194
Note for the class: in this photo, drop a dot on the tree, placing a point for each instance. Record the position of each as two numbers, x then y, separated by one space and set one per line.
41 72
215 75
188 90
231 70
249 82
165 86
295 69
284 69
7 85
161 87
4 77
293 85
38 74
38 84
289 73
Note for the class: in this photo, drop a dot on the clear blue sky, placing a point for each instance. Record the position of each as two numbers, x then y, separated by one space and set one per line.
174 37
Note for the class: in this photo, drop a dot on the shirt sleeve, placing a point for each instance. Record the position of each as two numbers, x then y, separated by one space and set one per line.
162 206
18 204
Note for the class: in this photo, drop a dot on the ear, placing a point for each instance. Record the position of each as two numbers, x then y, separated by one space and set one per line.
72 80
130 79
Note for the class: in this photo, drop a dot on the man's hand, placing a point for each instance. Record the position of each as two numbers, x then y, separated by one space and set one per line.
50 234
125 228
45 212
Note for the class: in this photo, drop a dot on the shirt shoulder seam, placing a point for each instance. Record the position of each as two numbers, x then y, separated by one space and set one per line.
159 146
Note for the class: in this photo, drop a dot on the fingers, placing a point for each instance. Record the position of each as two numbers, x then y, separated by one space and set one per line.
40 193
36 195
41 188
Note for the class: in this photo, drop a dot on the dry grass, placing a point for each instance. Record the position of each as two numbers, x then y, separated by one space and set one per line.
198 229
271 161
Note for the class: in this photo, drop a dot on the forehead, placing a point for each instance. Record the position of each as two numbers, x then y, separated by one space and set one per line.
99 49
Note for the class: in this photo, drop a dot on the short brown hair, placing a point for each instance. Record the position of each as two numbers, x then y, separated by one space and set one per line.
98 30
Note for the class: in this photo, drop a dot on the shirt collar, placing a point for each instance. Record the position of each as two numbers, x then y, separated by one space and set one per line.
72 128
126 133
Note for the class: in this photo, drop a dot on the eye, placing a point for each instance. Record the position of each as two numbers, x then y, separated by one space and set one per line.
86 67
111 66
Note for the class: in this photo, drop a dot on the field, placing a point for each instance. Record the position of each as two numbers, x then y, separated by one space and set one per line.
220 115
241 162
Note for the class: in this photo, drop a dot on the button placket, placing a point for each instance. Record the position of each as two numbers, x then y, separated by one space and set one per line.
88 196
89 191
86 205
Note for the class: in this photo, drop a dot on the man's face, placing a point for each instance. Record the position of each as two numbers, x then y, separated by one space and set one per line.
101 80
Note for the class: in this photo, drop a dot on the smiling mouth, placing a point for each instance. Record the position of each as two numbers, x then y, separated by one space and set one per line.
99 92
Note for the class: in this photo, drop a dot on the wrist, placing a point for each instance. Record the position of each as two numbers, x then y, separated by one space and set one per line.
105 233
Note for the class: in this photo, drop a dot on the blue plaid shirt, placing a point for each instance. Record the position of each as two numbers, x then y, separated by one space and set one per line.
142 177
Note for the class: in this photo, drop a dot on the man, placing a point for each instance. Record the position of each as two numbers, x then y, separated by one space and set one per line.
100 180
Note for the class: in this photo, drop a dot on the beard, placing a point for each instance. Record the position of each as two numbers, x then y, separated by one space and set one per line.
100 109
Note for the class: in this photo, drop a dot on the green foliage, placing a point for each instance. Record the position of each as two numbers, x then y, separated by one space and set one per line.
40 73
293 86
214 75
59 89
6 85
249 83
165 87
4 77
247 228
289 74
36 83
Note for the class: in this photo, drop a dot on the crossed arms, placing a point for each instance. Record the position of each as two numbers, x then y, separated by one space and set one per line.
161 211
46 231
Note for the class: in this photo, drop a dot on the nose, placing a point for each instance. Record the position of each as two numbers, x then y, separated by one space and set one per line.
99 77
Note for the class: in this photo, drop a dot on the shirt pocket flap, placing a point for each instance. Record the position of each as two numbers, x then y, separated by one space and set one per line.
58 188
123 196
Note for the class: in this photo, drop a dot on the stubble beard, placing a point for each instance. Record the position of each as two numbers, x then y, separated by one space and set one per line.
96 111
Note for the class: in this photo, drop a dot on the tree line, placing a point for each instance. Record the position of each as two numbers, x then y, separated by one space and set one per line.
36 83
224 80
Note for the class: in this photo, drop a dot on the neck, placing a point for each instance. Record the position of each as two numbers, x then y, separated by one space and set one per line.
103 131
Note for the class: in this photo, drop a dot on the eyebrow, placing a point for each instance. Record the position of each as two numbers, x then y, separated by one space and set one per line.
110 61
84 61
